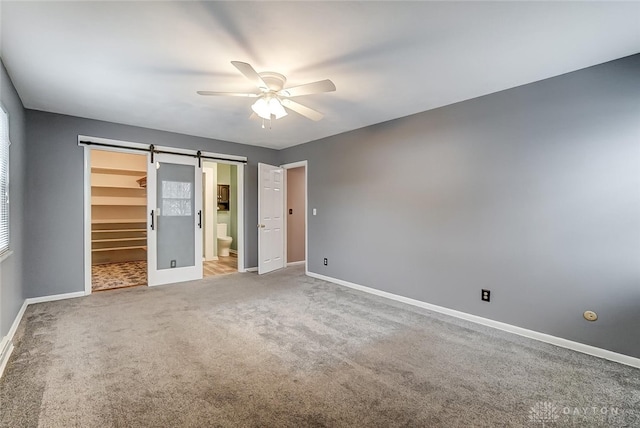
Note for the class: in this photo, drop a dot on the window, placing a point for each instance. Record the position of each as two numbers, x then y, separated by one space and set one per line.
176 198
4 181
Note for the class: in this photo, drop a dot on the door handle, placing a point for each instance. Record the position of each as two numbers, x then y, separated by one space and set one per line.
261 225
153 227
200 219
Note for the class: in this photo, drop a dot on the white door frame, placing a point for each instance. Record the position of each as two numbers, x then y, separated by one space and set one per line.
87 205
210 216
240 209
287 166
133 147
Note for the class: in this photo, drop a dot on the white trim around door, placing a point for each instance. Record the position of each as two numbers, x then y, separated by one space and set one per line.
87 208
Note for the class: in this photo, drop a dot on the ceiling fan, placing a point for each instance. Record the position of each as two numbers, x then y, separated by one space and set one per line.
273 98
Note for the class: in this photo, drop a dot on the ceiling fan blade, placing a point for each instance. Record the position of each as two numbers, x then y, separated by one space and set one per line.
305 111
309 88
250 74
229 94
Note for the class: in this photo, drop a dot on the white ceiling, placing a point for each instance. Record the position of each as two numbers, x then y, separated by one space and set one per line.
141 63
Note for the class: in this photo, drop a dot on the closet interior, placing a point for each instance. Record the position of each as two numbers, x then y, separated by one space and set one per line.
118 220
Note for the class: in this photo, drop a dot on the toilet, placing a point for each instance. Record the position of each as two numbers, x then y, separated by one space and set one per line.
224 241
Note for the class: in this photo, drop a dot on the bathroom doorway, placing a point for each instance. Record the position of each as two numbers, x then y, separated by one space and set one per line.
296 213
220 231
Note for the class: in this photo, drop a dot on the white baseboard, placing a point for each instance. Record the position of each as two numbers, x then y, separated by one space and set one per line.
232 251
296 263
542 337
251 269
54 297
5 353
6 345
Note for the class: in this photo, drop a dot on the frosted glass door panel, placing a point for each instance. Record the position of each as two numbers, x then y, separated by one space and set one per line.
176 216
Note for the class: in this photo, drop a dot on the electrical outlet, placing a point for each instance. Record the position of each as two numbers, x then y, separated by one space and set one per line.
486 295
326 261
173 263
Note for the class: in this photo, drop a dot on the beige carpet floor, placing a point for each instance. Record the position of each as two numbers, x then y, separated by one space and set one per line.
285 350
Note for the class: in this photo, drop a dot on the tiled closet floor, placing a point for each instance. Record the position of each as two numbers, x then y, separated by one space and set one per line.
129 274
118 275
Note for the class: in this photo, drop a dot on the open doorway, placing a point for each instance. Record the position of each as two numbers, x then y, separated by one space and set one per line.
296 213
220 231
118 220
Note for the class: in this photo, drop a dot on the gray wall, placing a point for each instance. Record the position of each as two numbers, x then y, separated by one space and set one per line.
55 193
11 270
532 192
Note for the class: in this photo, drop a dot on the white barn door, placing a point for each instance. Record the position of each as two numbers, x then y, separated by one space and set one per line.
174 234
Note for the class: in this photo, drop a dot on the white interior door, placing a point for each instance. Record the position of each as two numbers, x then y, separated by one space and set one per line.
270 218
174 201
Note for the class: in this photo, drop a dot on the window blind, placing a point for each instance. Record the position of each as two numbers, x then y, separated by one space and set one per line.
4 181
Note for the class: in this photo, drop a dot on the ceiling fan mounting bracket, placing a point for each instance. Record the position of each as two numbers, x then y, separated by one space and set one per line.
275 81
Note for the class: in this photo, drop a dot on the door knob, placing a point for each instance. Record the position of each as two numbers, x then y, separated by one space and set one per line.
261 225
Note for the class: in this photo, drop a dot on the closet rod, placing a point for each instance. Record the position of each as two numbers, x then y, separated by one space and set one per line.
197 155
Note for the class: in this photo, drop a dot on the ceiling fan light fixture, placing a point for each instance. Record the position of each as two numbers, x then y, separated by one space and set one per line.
276 109
265 107
261 108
